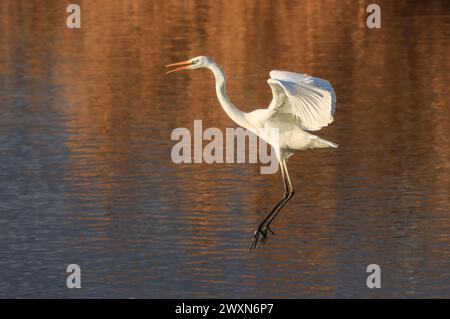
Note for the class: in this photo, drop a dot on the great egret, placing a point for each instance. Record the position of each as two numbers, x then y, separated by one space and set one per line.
300 103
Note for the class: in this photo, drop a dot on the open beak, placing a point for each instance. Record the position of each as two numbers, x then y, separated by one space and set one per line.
182 65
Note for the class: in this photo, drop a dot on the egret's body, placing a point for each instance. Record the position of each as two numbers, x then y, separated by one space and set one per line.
300 103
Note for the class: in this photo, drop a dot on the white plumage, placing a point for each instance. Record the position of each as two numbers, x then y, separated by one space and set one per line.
310 100
300 103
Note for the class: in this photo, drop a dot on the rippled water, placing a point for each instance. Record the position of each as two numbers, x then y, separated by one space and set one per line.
86 175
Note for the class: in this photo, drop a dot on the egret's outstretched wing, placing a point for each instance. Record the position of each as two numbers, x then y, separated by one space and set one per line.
310 100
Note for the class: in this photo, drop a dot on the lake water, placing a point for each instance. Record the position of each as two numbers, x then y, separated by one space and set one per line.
86 175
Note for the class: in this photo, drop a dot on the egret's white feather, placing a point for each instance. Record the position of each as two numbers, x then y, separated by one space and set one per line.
300 102
310 100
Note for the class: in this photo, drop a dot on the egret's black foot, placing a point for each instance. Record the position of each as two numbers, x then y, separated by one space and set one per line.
257 238
260 236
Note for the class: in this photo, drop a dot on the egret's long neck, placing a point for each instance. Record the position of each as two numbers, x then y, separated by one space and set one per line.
232 111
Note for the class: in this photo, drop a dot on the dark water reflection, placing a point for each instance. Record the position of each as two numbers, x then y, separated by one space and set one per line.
86 175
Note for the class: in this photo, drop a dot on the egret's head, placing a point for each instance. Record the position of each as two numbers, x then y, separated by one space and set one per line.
194 63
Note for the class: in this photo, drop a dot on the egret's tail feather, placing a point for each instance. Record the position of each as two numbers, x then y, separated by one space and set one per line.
318 142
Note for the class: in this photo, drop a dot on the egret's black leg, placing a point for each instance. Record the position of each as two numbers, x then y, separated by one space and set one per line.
261 232
291 193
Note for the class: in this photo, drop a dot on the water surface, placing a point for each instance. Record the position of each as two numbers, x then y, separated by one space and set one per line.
86 175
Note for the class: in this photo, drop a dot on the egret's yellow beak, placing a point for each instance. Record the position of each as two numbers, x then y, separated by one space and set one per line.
183 65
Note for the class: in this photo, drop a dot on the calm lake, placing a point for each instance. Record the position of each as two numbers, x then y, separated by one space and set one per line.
86 175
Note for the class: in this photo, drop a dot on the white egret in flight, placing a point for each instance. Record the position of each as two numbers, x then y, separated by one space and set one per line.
300 103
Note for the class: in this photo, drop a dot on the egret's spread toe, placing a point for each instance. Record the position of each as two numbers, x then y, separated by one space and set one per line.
260 237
